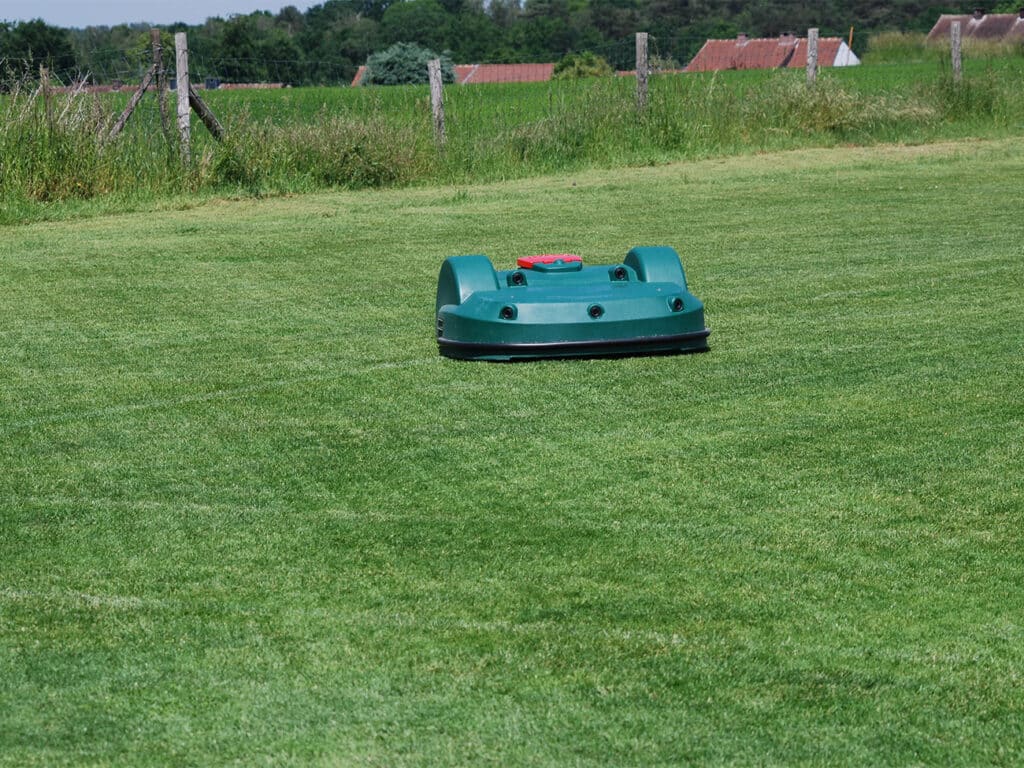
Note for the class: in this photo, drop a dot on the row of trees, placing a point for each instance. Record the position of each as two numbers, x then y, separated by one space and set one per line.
329 41
36 41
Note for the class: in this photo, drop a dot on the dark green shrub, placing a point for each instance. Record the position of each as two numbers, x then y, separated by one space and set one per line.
577 65
404 64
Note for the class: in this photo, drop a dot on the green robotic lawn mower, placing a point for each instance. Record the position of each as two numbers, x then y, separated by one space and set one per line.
551 306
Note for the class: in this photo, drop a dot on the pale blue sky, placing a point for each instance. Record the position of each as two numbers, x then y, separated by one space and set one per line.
82 13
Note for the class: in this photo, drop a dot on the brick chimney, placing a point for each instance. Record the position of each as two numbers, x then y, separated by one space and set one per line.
741 38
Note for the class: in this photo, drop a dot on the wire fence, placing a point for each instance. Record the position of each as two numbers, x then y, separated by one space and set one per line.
116 67
111 69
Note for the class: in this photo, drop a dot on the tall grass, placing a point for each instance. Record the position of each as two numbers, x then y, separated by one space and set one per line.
901 47
333 151
692 116
54 150
894 47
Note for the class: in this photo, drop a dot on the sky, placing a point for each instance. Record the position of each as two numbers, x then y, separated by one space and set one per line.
76 13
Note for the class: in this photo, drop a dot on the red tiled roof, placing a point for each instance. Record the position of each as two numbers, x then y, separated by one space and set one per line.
941 28
989 26
490 73
762 53
828 49
632 72
509 73
471 74
759 53
462 71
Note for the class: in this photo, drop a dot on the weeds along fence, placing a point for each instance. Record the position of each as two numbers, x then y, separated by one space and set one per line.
302 139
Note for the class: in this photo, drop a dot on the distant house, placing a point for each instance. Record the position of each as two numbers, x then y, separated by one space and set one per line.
466 74
991 27
769 53
506 73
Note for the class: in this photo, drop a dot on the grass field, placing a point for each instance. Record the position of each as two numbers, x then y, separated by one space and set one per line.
507 104
248 516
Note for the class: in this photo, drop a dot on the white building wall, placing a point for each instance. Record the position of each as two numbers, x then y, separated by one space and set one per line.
845 57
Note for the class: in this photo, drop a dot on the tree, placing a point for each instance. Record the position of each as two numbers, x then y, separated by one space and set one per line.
240 63
404 63
615 19
36 43
374 9
417 21
335 39
504 12
475 37
281 57
290 19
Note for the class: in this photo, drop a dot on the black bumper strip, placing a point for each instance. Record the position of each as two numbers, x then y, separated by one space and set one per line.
553 348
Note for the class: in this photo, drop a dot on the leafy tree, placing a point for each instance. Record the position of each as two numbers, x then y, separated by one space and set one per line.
238 46
5 32
336 37
475 37
281 57
373 8
615 19
36 43
504 13
418 21
290 19
404 63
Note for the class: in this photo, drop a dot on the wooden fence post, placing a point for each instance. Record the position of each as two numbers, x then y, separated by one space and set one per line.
812 55
192 99
641 71
133 102
958 66
44 87
205 114
161 80
436 99
181 65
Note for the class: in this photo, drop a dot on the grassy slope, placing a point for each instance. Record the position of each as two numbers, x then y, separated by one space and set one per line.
247 514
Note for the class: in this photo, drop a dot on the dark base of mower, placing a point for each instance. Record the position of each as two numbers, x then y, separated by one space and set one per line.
695 341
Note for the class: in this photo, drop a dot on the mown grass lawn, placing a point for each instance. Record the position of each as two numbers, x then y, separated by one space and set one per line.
248 515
